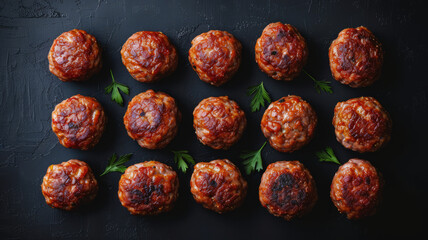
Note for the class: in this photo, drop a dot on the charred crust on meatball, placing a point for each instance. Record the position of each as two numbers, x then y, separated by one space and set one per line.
356 57
356 189
281 51
362 124
152 119
289 123
219 122
287 190
75 56
149 56
218 185
79 122
215 56
148 188
69 185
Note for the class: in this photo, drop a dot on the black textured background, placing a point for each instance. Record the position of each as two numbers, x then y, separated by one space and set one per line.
29 92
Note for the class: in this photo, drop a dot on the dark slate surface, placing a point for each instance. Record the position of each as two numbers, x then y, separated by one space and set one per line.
29 93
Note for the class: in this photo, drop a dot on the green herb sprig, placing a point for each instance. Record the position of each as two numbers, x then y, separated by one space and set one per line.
117 166
327 156
114 88
260 96
320 85
253 160
182 158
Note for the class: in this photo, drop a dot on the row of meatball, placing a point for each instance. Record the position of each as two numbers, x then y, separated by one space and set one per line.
287 188
356 56
152 119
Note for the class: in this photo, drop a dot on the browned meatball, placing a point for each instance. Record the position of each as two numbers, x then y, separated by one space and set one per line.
215 56
79 122
148 188
281 51
149 56
362 124
74 56
287 189
356 57
356 189
289 123
218 185
219 122
152 119
69 185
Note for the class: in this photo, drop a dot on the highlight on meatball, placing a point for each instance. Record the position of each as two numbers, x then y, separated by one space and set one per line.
362 124
289 123
218 185
219 122
287 190
79 122
215 56
152 119
356 189
75 56
356 57
149 56
148 188
281 51
69 185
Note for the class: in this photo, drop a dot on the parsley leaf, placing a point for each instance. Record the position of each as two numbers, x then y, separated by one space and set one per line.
117 166
320 85
253 160
181 158
114 88
260 95
327 156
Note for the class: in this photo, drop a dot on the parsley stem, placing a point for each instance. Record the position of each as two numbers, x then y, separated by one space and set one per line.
111 73
263 146
309 75
320 85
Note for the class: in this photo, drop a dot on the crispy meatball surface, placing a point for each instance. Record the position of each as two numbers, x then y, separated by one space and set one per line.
218 185
356 57
287 189
289 123
356 189
219 122
69 185
152 119
362 124
148 188
79 122
281 51
215 56
149 56
74 56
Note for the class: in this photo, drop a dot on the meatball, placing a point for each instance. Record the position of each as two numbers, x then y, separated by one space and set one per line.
79 122
218 185
219 122
75 56
149 56
287 189
69 185
148 188
215 56
356 189
356 57
362 124
152 119
289 123
281 51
